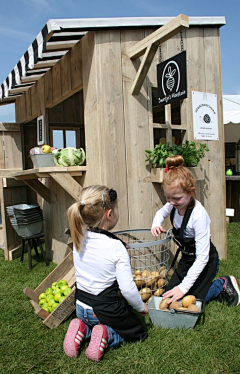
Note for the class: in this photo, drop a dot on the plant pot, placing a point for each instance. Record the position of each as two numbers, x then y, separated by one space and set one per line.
157 174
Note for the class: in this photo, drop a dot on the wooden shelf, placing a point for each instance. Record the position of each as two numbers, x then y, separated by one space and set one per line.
45 172
62 175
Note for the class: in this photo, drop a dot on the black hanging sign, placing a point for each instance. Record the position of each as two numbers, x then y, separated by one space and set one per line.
172 79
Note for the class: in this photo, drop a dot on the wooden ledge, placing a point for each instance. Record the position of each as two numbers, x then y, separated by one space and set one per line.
45 172
62 175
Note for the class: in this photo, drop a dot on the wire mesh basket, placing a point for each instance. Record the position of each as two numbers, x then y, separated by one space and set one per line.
149 258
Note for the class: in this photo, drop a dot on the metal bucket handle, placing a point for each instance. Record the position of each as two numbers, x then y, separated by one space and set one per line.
202 311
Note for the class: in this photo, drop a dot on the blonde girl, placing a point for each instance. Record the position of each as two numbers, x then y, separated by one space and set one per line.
191 231
105 291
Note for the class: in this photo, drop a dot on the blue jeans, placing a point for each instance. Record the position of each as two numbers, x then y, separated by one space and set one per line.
86 315
215 288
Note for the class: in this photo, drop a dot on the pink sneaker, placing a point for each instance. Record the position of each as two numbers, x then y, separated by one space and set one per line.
98 343
76 333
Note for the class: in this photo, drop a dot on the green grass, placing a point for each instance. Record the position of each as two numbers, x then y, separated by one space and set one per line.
26 345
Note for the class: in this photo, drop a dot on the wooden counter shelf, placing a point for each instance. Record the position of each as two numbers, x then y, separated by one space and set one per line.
62 175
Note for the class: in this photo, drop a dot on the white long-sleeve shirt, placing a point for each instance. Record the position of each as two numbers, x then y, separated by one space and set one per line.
101 261
198 227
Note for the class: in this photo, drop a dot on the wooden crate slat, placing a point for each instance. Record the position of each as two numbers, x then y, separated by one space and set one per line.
62 312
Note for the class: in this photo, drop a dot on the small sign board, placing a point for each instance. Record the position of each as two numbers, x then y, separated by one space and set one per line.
172 79
205 116
40 130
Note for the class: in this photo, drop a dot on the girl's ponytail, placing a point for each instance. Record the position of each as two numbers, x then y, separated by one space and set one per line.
76 223
89 211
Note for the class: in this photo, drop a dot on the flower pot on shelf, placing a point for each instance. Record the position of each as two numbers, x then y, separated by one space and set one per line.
157 174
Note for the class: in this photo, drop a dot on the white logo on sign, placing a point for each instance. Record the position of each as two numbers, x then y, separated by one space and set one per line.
171 80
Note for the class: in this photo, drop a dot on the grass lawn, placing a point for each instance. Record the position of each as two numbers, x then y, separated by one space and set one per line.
27 346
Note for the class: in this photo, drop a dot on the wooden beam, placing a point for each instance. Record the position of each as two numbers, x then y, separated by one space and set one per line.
40 188
149 46
68 183
144 67
56 46
31 78
160 35
9 126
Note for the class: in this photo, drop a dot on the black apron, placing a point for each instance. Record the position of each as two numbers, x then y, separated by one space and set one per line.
188 248
112 309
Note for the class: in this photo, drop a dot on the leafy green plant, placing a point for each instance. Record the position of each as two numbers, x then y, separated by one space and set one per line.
192 153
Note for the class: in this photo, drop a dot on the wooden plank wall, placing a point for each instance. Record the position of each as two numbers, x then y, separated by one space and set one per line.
104 115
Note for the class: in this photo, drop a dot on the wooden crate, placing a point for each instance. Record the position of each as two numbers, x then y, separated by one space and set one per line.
65 270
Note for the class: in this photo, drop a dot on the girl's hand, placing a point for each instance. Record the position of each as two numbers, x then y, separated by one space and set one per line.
157 230
175 294
145 311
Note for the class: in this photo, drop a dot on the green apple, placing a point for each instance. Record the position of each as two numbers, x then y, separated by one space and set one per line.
56 290
42 296
42 301
61 299
67 292
229 172
62 281
57 296
51 302
45 307
49 291
54 306
54 285
46 148
63 288
49 297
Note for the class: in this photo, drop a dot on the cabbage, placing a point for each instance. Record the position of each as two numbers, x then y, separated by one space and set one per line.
69 157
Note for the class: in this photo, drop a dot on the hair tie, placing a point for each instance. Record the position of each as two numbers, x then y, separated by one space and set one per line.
112 194
166 169
82 203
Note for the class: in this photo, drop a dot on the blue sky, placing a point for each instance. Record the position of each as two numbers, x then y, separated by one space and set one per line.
22 20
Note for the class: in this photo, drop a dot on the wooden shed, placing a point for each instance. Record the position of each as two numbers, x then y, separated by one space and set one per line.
98 77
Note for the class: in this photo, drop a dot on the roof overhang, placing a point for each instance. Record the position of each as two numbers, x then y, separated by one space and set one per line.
59 35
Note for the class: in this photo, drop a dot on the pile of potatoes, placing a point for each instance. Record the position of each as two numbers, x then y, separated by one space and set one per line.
150 283
188 303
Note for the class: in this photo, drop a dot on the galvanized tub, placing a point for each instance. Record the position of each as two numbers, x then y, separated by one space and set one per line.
173 318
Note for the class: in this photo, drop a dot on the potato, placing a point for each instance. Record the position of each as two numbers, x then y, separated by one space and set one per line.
158 292
193 308
139 280
163 273
164 303
150 281
162 268
145 293
175 305
146 274
138 272
187 300
134 276
161 283
156 274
